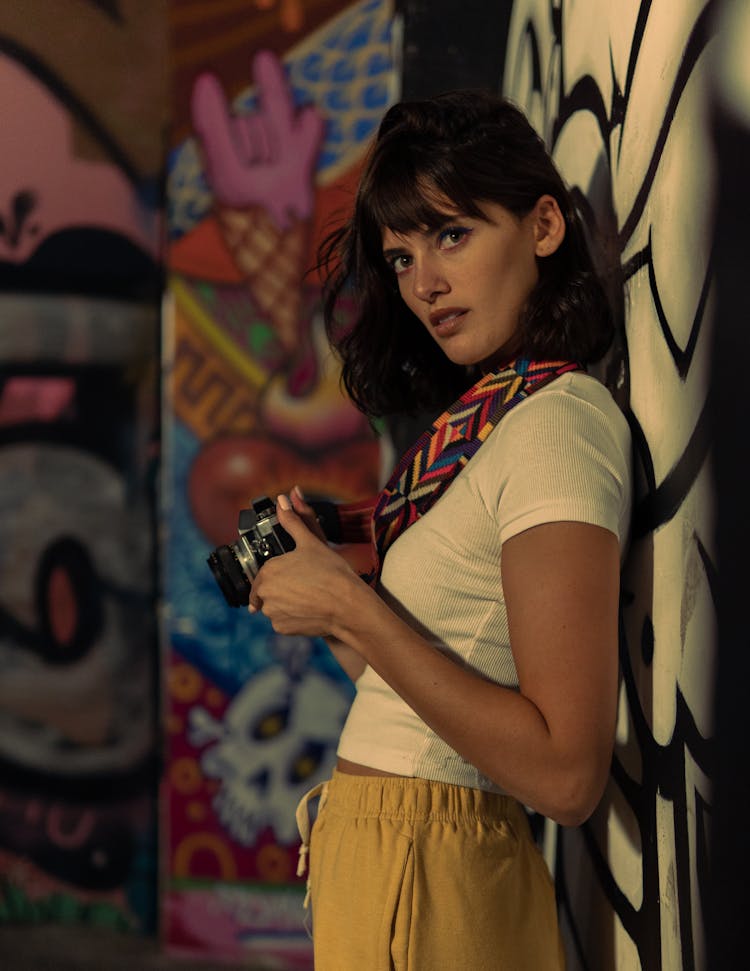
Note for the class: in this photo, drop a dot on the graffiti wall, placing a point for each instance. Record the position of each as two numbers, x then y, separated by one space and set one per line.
82 111
619 92
275 105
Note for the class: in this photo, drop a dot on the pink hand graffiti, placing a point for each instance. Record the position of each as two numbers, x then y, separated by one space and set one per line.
265 158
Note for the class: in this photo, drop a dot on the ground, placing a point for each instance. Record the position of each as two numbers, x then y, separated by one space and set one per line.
75 948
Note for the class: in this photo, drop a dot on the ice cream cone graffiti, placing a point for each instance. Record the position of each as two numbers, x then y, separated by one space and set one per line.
273 262
260 168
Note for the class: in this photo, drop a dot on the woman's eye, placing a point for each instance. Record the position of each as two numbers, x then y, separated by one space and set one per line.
400 263
452 236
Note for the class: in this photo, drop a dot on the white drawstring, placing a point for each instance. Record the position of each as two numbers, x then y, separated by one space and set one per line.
303 825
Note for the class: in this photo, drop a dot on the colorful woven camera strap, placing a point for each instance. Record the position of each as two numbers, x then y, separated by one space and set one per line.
427 469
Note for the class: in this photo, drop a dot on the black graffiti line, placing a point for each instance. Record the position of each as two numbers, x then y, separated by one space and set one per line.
703 872
628 914
631 790
634 792
682 864
639 32
685 737
529 37
636 262
712 574
663 773
682 358
584 96
536 61
658 507
643 804
685 729
78 109
699 37
642 451
644 259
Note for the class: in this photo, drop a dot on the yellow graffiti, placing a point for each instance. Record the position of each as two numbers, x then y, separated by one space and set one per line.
213 333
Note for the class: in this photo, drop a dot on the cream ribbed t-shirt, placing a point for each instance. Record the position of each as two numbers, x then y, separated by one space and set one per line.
562 454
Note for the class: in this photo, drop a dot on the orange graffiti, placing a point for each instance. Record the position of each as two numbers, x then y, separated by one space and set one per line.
196 811
290 13
274 864
185 775
185 683
197 842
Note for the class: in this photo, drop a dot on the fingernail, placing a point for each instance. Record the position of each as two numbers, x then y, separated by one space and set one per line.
283 502
299 493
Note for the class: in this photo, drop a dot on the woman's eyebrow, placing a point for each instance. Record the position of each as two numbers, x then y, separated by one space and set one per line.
392 251
442 220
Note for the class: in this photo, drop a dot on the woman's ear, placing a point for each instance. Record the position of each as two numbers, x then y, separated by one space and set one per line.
549 226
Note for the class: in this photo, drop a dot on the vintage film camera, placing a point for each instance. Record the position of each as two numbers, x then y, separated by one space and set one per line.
236 565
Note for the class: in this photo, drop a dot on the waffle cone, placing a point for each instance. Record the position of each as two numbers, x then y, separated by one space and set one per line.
272 260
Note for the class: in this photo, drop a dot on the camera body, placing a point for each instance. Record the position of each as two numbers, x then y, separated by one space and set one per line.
236 565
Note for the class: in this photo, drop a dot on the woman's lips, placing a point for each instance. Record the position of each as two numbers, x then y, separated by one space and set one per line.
447 321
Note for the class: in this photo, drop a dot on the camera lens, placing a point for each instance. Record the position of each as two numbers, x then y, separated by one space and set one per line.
230 576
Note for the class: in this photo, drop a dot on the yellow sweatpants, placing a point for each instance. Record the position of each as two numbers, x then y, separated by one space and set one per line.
411 875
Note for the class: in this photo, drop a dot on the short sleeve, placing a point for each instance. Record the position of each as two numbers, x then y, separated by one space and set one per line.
563 455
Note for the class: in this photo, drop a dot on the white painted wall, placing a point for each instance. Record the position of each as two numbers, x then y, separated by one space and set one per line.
618 89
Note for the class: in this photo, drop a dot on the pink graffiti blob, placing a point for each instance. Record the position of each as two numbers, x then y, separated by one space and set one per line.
265 157
45 187
198 922
35 399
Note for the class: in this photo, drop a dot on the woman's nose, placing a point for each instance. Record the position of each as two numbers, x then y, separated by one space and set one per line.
428 281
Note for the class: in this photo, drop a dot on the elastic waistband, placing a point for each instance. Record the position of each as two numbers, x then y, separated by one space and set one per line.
418 799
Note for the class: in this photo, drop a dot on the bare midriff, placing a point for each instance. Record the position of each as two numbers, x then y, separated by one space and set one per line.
354 768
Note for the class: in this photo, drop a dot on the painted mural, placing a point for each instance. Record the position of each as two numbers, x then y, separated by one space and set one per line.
276 103
79 246
619 92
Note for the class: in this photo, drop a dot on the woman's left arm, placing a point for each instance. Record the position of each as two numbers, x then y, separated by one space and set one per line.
549 744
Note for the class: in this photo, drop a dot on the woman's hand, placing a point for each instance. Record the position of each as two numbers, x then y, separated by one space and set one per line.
306 513
307 590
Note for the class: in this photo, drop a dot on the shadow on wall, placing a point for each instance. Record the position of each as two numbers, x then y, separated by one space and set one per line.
731 414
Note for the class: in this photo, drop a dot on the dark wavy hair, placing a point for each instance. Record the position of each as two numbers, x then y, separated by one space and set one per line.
469 147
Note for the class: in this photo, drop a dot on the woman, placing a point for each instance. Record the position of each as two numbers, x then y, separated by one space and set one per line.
484 647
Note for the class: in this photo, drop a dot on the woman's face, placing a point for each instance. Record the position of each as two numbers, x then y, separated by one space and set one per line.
468 280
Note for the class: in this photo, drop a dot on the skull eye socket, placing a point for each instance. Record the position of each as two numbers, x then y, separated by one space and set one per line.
306 762
270 725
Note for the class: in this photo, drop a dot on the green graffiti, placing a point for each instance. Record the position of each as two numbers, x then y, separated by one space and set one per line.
16 907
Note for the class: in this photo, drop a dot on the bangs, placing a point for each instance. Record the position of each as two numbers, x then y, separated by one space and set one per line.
404 199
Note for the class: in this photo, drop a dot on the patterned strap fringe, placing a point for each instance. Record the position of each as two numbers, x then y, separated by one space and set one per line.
427 469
